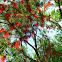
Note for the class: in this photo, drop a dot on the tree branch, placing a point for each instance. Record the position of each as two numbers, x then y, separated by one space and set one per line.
56 24
3 22
28 56
59 8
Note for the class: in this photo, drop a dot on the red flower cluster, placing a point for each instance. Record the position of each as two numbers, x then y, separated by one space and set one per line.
2 30
17 44
7 16
28 8
22 2
34 16
3 58
4 0
17 24
6 35
1 9
12 27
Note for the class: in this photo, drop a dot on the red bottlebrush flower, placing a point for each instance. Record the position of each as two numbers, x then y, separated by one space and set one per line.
22 2
37 24
0 53
27 0
12 27
14 4
46 56
44 8
33 33
17 24
17 44
7 16
11 46
26 41
6 35
2 30
28 8
49 3
25 37
55 51
50 52
43 18
4 0
8 43
41 25
35 17
15 14
1 11
51 47
49 16
47 51
14 43
2 6
5 5
24 60
3 58
20 39
39 10
21 50
26 27
29 17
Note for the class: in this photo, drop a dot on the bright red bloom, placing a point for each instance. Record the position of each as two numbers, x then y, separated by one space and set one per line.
24 60
27 0
12 27
33 33
17 24
8 43
6 35
22 2
46 56
14 43
2 6
37 24
4 0
55 51
2 30
49 3
39 10
35 17
15 14
3 58
44 8
47 51
50 52
11 46
17 44
7 16
41 25
1 11
28 8
21 50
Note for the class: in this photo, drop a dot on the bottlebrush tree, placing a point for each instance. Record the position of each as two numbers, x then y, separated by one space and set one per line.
22 19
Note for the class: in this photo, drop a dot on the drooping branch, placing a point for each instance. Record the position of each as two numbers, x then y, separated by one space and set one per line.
55 1
3 22
28 56
56 24
59 8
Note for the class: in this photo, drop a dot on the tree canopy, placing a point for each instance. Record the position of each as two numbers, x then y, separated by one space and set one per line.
24 19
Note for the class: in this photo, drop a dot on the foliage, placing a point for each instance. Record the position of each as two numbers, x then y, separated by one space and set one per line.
23 20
